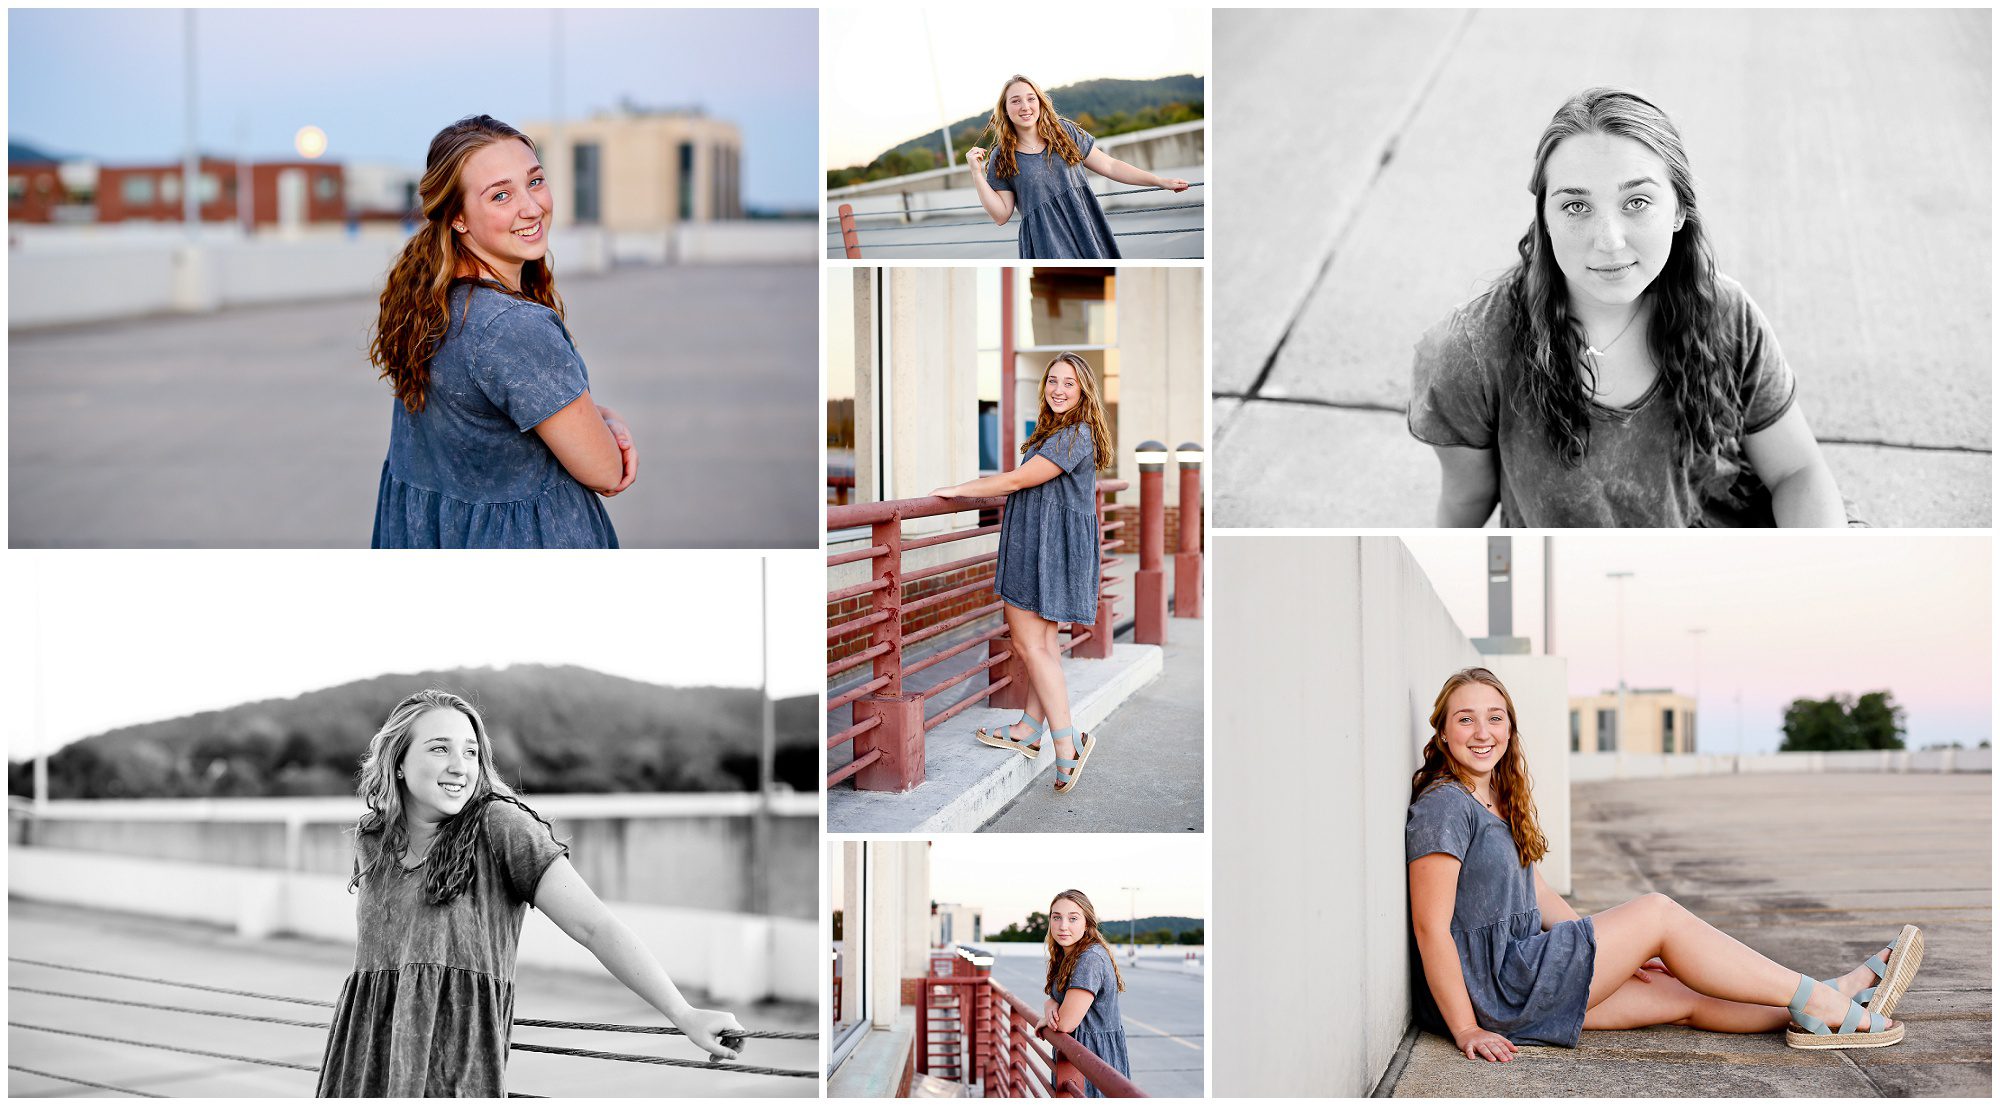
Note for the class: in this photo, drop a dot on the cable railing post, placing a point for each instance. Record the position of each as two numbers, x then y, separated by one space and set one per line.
849 238
1149 584
1187 562
900 736
923 1044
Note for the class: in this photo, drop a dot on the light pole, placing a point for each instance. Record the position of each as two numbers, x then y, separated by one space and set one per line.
1132 930
1696 633
1618 738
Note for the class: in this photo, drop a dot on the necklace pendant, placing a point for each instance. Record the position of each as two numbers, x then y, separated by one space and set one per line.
1592 350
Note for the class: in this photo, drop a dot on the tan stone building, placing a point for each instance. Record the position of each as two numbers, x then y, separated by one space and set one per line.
639 170
1657 720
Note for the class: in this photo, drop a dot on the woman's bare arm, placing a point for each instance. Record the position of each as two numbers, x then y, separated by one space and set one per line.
1555 909
1433 895
1471 487
585 446
1786 457
999 205
1104 165
1038 470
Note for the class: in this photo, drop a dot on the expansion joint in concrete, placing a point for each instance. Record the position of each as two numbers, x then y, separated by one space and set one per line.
1385 1087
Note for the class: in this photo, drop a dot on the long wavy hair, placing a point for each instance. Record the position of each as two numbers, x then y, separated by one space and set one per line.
1048 126
416 306
1513 788
1684 334
1063 961
452 866
1089 411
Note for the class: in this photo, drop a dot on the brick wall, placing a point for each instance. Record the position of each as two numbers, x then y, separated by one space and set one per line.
930 616
1128 513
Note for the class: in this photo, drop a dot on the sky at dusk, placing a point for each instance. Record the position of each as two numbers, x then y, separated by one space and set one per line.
108 84
120 637
895 73
1786 616
1009 875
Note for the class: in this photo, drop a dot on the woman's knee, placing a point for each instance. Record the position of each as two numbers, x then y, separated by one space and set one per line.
1659 904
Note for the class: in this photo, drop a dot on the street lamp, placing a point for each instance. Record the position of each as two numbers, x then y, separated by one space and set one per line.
1132 931
1619 735
1695 632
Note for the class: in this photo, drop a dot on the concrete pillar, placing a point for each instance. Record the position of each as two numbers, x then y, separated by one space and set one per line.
1539 686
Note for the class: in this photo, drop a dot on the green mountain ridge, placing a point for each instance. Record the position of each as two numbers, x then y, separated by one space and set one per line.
553 729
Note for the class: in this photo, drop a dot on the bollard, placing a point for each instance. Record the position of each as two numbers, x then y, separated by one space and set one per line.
848 237
1187 562
1149 585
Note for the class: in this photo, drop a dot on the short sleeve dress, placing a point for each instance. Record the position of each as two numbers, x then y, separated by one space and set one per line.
1060 216
429 1008
1529 985
470 472
1048 535
1102 1030
1464 394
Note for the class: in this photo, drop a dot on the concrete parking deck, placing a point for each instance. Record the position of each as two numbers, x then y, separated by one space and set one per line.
265 426
1814 871
1382 159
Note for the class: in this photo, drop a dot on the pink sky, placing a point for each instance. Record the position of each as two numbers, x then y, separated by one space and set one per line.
1787 615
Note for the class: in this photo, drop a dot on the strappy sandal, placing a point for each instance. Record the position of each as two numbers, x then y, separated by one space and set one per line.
1906 954
1815 1034
1030 748
1066 780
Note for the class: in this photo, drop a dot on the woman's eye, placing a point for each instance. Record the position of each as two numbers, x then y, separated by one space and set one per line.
499 197
1642 202
1575 207
536 183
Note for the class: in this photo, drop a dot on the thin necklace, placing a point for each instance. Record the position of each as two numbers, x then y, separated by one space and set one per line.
1594 351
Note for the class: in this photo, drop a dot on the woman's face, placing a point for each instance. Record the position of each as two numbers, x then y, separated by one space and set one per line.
441 767
1023 106
1611 213
1061 388
1066 922
1476 727
506 205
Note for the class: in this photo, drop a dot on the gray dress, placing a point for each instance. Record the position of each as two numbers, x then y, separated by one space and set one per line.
470 472
1048 535
1528 985
1102 1031
429 1009
1059 215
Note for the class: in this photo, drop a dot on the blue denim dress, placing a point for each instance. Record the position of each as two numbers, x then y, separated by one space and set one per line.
470 472
1060 216
1530 986
1102 1030
1048 535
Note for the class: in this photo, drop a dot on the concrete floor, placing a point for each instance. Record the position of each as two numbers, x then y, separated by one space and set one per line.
1383 158
1816 872
266 426
313 970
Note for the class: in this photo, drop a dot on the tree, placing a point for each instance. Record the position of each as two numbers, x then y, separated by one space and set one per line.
1878 721
1841 722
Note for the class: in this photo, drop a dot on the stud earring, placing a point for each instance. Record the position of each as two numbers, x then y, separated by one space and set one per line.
399 775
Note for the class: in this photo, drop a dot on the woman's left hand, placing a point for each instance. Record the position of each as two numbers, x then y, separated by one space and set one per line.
627 453
947 493
1173 184
710 1030
1646 971
1049 1012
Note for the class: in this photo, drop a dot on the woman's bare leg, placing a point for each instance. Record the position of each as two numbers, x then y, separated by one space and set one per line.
1709 961
1031 632
1021 633
1664 1000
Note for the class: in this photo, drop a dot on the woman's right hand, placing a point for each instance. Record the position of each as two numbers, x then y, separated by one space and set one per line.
709 1030
975 160
947 493
1478 1044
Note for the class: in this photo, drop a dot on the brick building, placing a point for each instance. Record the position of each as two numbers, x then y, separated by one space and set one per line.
281 192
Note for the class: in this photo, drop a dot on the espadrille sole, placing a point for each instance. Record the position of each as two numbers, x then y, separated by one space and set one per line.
1000 741
1085 744
1799 1038
1904 960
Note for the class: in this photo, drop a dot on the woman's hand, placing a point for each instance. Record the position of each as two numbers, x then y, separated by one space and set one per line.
975 160
1049 1011
1478 1044
627 454
1173 184
710 1030
952 492
1646 971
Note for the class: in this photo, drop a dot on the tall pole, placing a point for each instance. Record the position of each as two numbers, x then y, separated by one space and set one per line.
1692 718
191 158
1620 577
767 754
937 90
1132 930
1548 596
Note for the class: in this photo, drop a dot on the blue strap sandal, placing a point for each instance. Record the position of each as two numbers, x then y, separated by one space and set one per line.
1814 1034
1068 771
1030 748
1893 979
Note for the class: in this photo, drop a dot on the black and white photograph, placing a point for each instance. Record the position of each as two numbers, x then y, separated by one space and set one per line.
304 824
1604 268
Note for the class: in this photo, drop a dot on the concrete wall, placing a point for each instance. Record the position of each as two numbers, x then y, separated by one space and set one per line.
735 957
1327 654
1539 686
1624 766
686 851
1161 352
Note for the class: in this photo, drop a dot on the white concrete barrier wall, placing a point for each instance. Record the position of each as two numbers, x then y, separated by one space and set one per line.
735 958
1327 655
1585 767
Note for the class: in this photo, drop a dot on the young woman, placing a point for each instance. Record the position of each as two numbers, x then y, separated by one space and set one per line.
1048 560
1036 165
1614 377
1505 961
447 860
1083 984
496 442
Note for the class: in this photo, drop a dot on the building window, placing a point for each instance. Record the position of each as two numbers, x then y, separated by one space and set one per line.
1690 737
686 188
17 189
170 188
1667 730
586 176
207 187
848 864
326 188
136 190
1576 731
1607 731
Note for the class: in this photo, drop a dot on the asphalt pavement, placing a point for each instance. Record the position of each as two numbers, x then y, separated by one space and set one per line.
1162 1009
1816 872
266 426
1381 160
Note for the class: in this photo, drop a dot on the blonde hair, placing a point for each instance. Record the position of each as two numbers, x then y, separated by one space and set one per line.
1088 412
1048 127
1063 961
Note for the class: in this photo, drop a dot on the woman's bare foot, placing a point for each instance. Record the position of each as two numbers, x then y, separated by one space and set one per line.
1022 732
1861 978
1830 1006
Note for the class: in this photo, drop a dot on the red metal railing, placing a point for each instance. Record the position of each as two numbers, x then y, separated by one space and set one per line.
1006 1055
889 723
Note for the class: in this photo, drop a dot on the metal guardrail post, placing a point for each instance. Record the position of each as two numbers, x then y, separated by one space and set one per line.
848 236
1098 645
900 737
1149 585
1187 562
